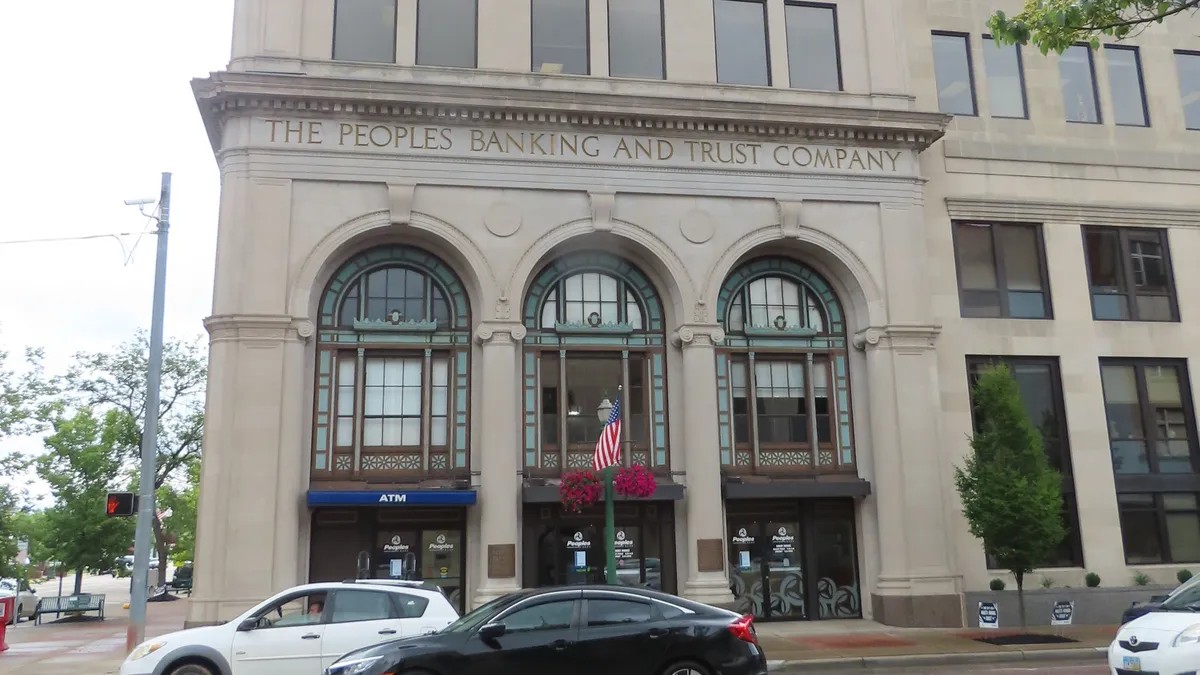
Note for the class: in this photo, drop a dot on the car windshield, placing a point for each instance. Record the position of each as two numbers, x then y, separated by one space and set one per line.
1186 596
474 618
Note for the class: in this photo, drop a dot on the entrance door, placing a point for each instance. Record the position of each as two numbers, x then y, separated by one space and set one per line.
768 568
581 554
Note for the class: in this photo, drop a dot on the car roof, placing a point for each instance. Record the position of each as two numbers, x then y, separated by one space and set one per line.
373 584
629 590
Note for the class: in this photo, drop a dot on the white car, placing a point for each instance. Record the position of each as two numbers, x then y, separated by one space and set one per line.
26 602
301 631
1165 641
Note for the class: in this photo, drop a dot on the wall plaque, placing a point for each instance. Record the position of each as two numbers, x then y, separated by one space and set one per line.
710 555
502 561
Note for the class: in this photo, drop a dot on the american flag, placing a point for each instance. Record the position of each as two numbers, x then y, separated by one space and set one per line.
608 447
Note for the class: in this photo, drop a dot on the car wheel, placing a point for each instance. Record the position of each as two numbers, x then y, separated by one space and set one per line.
192 669
685 668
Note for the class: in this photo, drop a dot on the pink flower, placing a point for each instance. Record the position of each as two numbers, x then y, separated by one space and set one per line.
579 490
635 481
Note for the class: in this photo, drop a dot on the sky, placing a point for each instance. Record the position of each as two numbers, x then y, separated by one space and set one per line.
95 103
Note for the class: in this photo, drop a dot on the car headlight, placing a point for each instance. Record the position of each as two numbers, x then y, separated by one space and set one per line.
1190 636
352 667
146 649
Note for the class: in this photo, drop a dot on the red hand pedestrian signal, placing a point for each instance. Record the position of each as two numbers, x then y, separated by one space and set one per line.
121 504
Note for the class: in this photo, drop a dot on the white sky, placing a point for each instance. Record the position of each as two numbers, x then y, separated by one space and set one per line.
95 103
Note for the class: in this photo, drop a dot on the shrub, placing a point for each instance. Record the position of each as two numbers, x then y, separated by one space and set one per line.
997 585
1184 576
1141 579
1092 580
1047 582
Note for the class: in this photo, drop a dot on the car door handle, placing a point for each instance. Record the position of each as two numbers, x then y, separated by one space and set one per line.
310 636
657 632
387 631
560 645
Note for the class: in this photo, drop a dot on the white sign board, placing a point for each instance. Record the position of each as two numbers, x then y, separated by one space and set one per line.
1063 613
989 615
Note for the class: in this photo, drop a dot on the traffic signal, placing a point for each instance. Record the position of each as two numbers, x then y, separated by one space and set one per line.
121 504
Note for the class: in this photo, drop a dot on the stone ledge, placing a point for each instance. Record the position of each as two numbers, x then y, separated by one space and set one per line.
1144 215
1080 654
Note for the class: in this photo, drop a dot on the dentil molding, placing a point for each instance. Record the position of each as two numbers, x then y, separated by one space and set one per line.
901 338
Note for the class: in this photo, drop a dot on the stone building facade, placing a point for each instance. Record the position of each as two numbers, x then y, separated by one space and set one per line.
782 234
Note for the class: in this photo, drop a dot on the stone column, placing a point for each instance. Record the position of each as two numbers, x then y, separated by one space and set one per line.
707 581
499 460
252 485
917 585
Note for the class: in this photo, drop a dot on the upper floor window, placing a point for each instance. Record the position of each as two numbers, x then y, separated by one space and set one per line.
953 74
741 32
812 43
1188 66
1081 101
364 30
595 333
1151 425
1160 528
1005 79
392 364
782 380
1129 271
1001 271
560 36
635 39
446 33
1128 91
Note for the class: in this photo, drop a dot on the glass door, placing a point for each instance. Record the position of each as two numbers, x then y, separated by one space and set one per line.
581 555
746 568
784 570
441 562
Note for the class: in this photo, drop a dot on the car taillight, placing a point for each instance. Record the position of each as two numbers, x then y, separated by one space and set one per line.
743 629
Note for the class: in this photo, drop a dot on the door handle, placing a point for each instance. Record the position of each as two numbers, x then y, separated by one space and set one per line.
387 631
560 645
657 632
310 636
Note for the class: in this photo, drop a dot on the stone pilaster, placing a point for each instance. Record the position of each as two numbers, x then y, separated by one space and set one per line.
916 585
707 580
498 461
253 435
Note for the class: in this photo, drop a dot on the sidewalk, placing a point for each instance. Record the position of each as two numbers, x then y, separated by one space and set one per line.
82 648
804 647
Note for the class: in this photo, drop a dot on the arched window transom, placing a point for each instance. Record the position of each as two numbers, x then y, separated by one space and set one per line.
776 303
591 299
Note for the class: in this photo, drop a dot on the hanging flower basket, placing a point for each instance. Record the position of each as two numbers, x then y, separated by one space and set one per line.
634 481
579 490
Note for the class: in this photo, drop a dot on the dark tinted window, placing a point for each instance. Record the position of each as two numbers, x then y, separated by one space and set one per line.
1129 273
1160 528
362 606
446 33
1188 66
410 606
1000 271
1006 86
616 612
560 36
952 72
1079 85
812 46
635 38
1150 425
1128 93
546 616
364 30
741 28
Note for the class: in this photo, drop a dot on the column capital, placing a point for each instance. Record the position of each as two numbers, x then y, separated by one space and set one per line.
699 335
259 327
499 331
903 338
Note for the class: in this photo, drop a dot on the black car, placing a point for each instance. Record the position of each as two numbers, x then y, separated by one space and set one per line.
580 630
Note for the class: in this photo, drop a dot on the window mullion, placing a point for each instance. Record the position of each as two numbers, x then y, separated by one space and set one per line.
426 407
360 396
1130 287
1149 424
810 404
752 390
1001 277
562 407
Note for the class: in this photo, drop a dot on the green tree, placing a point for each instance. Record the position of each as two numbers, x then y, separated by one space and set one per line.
181 501
81 464
1011 497
1054 25
115 381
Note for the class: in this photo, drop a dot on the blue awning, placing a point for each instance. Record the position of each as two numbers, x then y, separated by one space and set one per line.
395 498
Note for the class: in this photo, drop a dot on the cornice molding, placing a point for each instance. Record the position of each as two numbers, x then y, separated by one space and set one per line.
901 338
1085 214
511 99
258 327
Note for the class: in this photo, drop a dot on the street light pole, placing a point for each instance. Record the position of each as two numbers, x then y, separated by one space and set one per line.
136 632
610 536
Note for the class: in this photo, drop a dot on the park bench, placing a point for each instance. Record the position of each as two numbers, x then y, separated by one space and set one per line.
69 604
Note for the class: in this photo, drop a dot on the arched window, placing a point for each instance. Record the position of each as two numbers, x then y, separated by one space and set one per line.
595 331
782 376
392 365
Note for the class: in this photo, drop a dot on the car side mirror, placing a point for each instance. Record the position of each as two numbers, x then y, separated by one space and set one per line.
492 631
248 625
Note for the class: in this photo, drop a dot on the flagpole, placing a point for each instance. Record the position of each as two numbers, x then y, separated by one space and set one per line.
610 537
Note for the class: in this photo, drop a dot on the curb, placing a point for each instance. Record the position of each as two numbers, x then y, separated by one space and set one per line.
936 660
